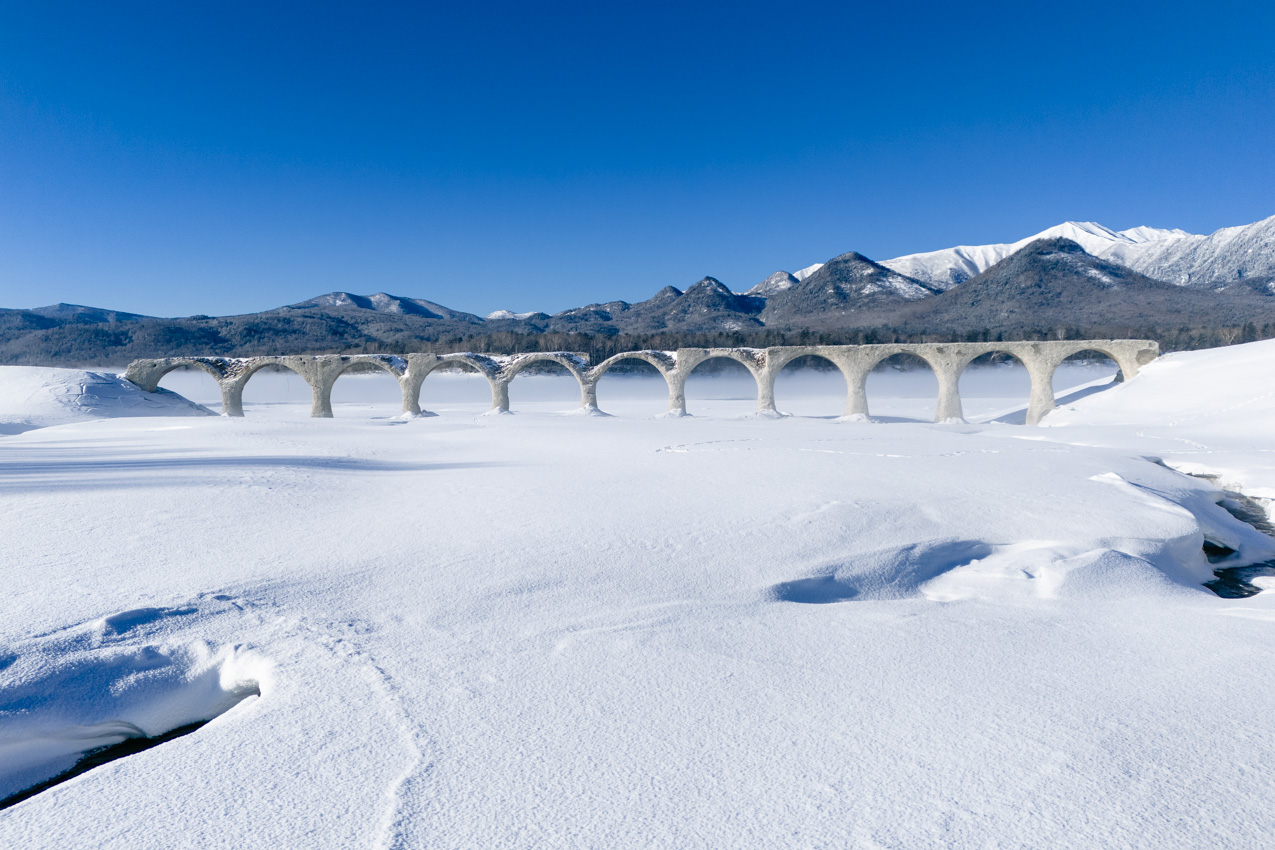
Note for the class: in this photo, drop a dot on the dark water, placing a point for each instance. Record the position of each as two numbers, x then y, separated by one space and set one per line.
97 758
1233 582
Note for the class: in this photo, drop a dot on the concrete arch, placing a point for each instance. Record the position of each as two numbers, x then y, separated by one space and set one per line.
1120 358
1128 355
306 367
1066 392
1098 351
371 363
197 365
659 360
148 373
489 367
689 359
1040 395
662 361
572 363
780 358
575 365
421 366
946 371
333 367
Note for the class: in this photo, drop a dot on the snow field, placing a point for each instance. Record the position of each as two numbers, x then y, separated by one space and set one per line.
546 630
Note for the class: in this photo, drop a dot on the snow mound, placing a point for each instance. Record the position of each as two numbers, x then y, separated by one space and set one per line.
1050 571
36 397
895 573
77 691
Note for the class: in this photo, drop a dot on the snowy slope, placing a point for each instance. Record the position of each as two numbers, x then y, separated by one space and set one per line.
1206 411
1229 255
802 274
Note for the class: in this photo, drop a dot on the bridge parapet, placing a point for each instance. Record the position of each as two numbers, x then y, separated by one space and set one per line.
855 362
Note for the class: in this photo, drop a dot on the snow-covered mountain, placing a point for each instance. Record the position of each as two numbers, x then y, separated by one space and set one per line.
510 315
781 280
1215 260
951 266
1227 256
382 302
1055 283
842 286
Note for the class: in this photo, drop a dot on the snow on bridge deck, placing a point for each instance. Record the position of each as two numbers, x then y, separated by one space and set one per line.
948 360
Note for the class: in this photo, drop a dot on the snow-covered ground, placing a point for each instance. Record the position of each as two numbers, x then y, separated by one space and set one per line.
560 631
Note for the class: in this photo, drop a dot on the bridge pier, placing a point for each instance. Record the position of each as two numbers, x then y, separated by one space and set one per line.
766 391
856 390
231 398
589 393
676 393
1042 394
321 402
500 395
948 408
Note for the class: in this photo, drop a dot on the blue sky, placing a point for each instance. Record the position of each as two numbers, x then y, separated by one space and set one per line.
178 158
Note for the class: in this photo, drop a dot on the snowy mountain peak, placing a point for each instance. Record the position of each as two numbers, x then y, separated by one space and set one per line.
777 282
807 271
781 280
709 284
383 302
1151 234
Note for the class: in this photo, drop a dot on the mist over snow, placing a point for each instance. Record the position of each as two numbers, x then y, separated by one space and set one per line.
565 631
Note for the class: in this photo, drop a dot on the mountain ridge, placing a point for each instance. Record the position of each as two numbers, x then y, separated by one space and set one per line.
1218 259
848 298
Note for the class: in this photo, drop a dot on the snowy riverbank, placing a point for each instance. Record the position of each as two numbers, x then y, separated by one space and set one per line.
547 630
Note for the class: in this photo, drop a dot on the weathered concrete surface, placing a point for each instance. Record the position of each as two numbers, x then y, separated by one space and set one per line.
948 360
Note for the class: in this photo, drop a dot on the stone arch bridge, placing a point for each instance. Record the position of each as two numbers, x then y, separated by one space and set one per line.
948 360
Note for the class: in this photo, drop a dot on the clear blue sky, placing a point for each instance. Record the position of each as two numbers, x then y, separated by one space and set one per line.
174 158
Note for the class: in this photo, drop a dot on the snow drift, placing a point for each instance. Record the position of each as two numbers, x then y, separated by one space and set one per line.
36 397
86 688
